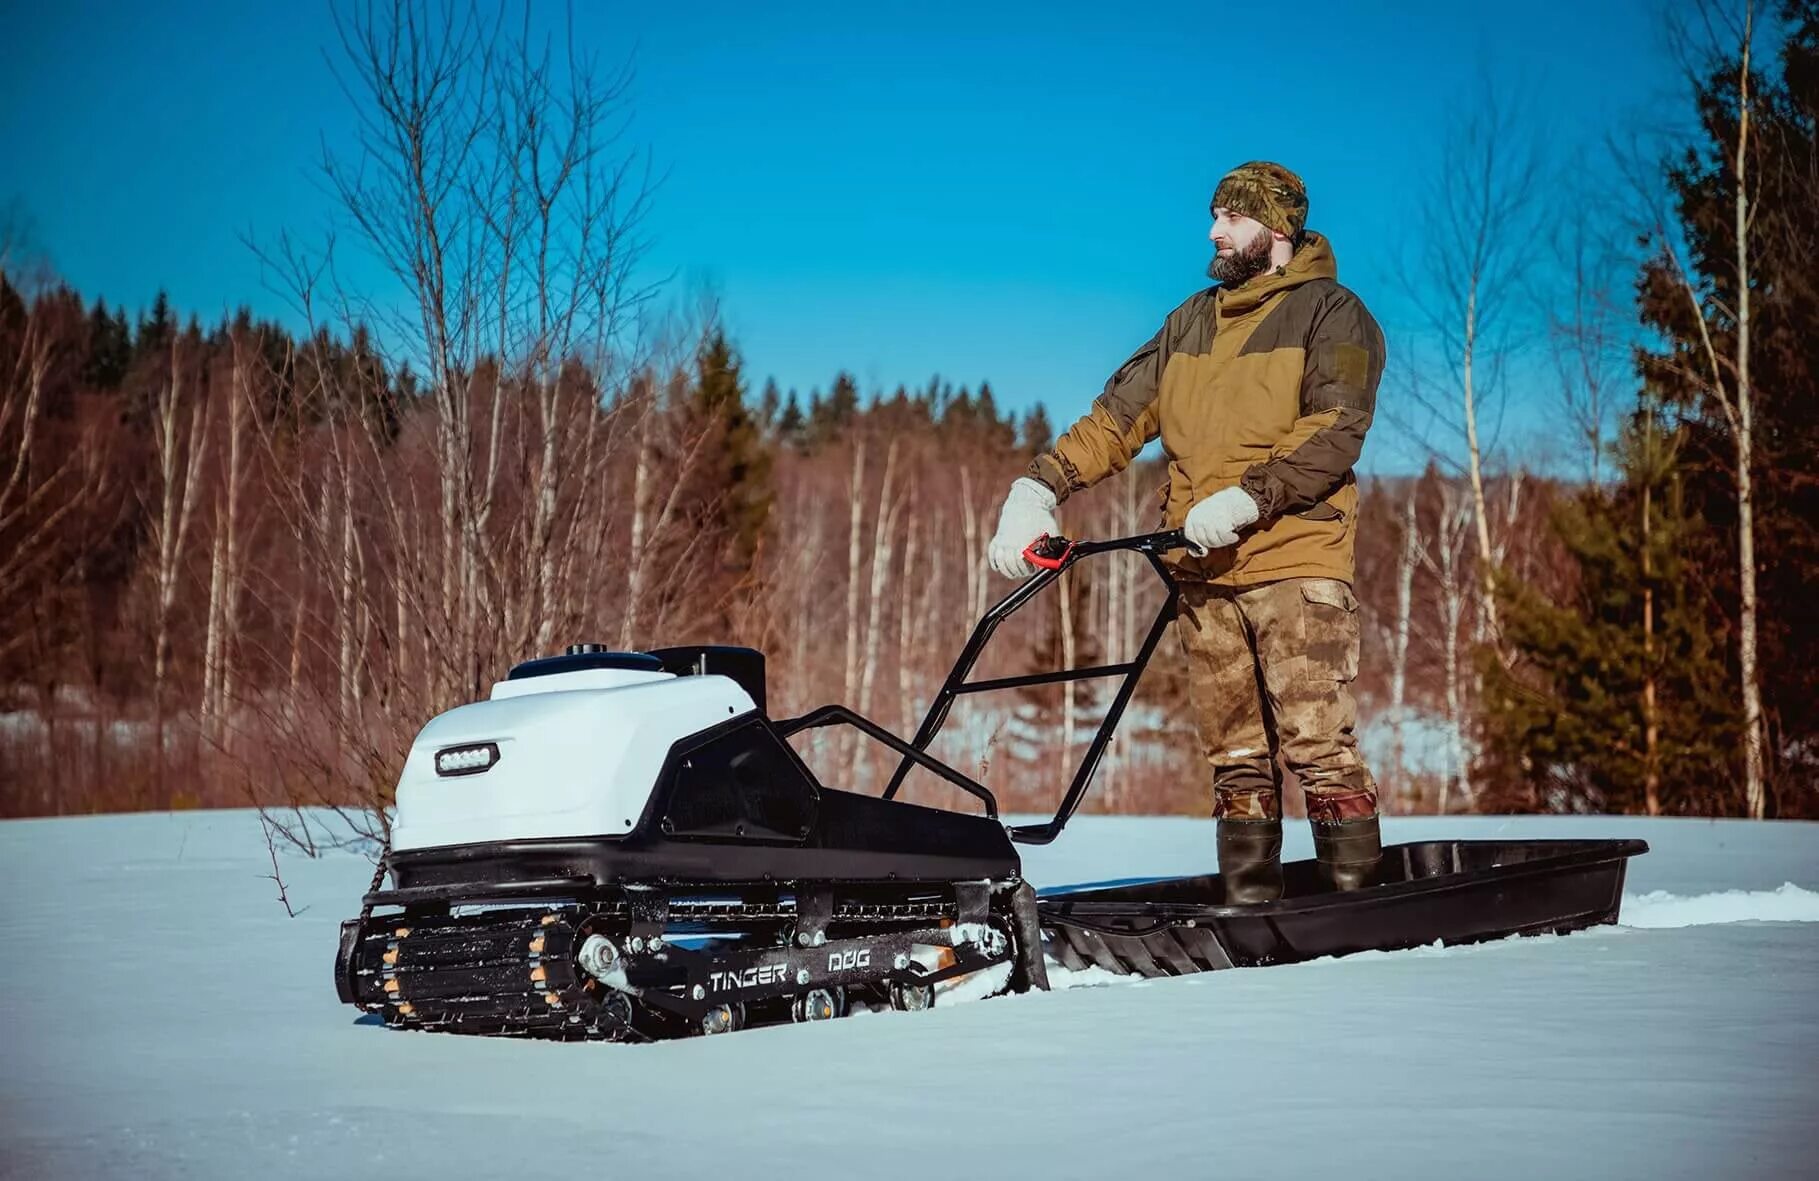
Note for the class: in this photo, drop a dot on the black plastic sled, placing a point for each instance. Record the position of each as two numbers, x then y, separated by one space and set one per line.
1450 892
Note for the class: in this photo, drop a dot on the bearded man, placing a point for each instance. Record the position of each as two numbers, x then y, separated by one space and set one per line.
1261 389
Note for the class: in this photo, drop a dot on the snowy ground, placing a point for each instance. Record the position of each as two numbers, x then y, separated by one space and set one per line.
162 1018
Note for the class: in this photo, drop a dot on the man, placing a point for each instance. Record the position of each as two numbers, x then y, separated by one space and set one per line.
1261 389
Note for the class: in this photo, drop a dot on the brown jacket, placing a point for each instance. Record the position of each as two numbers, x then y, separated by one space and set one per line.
1270 386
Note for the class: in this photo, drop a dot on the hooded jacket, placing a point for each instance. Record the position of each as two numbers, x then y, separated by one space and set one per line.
1269 386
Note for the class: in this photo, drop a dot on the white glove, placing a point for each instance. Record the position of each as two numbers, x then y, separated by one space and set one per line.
1028 513
1213 523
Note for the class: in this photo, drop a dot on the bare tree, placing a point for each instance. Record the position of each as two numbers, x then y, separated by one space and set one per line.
1444 560
656 562
1477 219
226 576
41 490
1589 332
450 480
890 505
1727 380
1655 455
855 534
1408 555
636 554
179 450
488 179
23 263
907 617
971 524
1120 645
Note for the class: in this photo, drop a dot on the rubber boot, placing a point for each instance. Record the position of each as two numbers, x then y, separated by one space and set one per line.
1348 852
1250 860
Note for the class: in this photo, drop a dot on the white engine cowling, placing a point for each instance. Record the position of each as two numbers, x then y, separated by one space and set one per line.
569 754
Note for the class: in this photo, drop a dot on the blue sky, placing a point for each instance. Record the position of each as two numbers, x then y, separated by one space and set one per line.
1009 191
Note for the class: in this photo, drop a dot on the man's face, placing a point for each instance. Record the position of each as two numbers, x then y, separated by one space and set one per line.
1241 247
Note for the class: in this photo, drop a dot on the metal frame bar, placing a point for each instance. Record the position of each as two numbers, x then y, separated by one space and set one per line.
1150 545
829 715
1077 674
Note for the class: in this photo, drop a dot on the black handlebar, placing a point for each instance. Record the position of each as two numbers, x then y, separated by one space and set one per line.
1054 552
1052 555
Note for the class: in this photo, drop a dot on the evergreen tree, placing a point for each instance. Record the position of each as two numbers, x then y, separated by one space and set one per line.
1784 362
958 415
829 418
110 349
122 330
769 405
999 432
155 332
1619 699
12 308
925 404
374 398
738 466
791 422
409 388
1038 433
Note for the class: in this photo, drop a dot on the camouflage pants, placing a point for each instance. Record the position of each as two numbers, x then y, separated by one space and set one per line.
1269 672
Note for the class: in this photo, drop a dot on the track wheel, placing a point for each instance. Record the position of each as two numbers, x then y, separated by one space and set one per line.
820 1004
723 1019
911 998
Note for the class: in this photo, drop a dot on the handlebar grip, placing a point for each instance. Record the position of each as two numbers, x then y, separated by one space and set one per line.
1048 552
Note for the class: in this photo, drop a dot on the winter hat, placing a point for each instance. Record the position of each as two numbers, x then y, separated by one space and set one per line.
1268 192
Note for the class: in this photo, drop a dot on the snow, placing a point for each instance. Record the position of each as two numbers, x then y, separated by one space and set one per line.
1658 908
1432 744
164 1018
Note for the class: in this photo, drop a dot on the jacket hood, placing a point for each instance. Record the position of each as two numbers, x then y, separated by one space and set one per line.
1315 260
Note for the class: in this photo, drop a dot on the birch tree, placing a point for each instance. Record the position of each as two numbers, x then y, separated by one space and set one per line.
179 428
883 544
1445 561
1478 220
1409 551
226 576
1724 375
456 484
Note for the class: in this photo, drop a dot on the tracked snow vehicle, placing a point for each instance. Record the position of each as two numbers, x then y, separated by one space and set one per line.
624 845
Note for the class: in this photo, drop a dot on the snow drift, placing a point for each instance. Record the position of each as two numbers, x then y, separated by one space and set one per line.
164 1018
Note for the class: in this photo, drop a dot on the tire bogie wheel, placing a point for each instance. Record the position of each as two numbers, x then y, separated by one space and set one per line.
723 1018
615 1011
912 998
820 1004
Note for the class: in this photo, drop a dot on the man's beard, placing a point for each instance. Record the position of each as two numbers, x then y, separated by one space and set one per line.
1243 263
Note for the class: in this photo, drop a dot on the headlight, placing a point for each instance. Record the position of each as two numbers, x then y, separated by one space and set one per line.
466 760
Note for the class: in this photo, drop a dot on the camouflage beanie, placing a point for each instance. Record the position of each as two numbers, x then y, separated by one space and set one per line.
1268 192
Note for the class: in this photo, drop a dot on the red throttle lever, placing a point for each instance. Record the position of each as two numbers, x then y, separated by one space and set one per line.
1048 552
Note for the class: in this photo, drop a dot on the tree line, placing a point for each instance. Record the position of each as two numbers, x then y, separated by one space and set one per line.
243 562
1677 671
